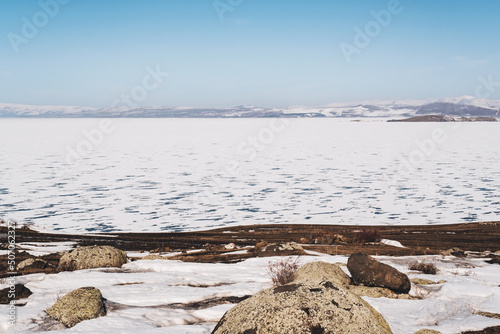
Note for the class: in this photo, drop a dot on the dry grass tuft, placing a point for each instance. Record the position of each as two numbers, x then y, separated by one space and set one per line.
283 271
368 235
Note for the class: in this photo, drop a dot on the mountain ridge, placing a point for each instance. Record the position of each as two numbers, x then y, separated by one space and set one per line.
456 106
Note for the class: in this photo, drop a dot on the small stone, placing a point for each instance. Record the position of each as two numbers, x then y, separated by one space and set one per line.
450 251
280 249
423 281
31 263
488 315
261 244
459 253
427 331
154 257
304 240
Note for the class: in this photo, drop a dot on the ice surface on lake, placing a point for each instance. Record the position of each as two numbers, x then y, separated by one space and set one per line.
186 174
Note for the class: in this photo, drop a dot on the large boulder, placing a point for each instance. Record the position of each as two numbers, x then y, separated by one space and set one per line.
78 305
92 257
303 308
316 272
367 271
279 249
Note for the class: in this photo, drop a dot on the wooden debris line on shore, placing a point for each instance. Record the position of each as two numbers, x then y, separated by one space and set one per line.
417 240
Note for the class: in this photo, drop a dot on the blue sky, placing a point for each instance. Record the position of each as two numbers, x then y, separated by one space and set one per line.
273 53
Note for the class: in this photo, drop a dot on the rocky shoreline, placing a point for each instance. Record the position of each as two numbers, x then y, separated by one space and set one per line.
212 245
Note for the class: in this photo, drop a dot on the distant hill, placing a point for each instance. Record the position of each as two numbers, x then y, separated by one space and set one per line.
446 118
460 106
446 108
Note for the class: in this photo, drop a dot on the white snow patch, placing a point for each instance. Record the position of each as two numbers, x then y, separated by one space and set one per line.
450 307
391 243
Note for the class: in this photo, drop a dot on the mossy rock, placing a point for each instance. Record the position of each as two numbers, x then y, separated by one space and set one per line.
32 263
154 257
427 331
303 308
377 292
489 315
78 305
92 257
317 272
423 281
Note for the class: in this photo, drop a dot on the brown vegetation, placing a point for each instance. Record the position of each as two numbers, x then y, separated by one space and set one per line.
368 235
418 240
283 270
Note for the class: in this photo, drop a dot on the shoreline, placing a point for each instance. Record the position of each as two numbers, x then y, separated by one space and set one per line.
477 239
474 236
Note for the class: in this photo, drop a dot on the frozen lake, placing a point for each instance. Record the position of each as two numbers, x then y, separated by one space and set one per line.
86 175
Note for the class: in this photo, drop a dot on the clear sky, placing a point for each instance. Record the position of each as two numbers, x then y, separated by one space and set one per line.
225 53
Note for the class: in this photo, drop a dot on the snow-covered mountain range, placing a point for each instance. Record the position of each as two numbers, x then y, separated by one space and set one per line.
457 106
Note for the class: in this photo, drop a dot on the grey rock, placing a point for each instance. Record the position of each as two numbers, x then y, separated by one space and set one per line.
78 305
92 257
317 272
303 308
